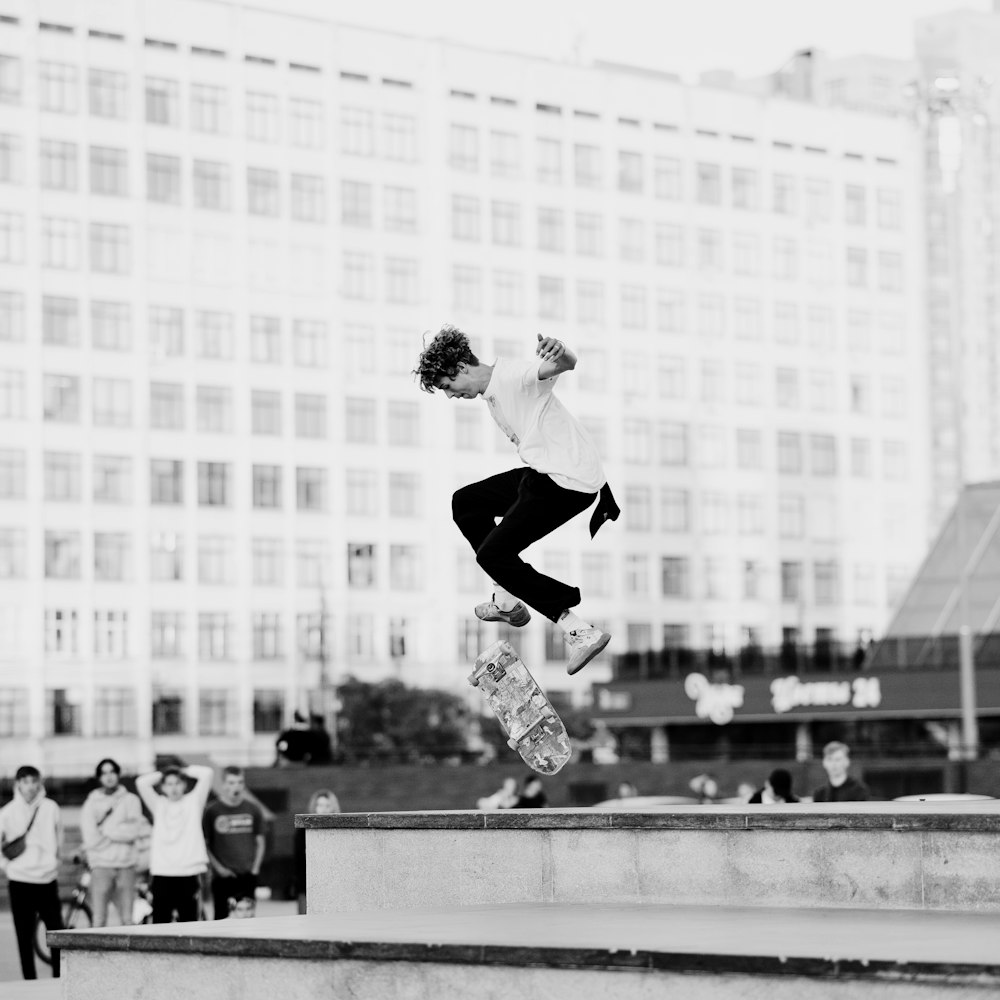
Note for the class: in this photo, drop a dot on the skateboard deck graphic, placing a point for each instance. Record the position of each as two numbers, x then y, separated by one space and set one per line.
532 726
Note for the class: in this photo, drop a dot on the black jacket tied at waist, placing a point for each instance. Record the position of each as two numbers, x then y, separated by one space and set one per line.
606 510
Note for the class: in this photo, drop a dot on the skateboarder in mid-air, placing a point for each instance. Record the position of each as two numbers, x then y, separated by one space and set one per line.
561 478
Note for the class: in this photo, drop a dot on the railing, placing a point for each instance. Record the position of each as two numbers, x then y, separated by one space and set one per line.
920 653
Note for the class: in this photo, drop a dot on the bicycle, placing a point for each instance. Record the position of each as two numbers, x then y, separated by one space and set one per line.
77 914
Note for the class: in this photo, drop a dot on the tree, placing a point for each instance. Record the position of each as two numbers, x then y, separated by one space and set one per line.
391 721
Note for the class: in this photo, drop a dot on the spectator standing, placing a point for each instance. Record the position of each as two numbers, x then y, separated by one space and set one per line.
177 854
31 837
109 822
840 785
234 835
325 803
777 788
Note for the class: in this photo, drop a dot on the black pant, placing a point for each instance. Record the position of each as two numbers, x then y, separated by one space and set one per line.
532 506
180 893
225 889
30 903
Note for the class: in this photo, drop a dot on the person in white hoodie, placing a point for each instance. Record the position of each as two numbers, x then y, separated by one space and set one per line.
32 875
177 854
109 822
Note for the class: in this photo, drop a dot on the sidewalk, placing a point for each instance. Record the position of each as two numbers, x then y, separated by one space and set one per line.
10 966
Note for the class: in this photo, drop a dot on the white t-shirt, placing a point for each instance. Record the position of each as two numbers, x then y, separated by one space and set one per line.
547 436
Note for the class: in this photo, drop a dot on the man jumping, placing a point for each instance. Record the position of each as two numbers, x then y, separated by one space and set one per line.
563 476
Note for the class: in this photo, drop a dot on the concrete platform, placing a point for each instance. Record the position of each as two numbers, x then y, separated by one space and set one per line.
884 856
555 951
35 989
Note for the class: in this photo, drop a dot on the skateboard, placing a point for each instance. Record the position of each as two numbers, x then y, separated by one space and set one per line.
532 726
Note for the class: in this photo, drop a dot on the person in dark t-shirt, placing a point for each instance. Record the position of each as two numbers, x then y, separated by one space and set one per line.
840 786
234 834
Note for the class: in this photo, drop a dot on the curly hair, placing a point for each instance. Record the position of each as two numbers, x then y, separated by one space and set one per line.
442 356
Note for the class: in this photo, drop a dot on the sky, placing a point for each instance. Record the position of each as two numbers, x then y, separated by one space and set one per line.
750 37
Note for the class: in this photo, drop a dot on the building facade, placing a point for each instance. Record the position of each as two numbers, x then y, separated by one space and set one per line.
223 231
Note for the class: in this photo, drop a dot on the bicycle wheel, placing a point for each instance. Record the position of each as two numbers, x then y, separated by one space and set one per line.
75 916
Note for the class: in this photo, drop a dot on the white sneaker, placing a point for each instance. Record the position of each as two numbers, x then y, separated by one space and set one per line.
585 643
518 616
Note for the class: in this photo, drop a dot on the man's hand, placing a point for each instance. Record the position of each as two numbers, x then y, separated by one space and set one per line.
549 348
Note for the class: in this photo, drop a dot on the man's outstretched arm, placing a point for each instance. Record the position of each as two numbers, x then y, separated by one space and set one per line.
556 357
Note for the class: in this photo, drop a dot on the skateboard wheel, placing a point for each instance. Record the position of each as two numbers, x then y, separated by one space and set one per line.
474 681
512 744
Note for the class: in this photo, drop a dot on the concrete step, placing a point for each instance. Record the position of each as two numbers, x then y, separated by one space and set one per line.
34 989
911 856
499 951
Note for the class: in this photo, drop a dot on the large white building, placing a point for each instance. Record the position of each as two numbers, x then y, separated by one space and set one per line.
223 231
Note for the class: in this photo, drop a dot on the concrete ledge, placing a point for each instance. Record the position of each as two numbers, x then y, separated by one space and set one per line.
839 944
959 817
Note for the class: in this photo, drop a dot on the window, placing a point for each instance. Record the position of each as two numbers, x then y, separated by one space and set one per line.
855 204
308 198
549 153
674 576
57 87
785 256
786 323
783 194
791 516
360 641
551 230
60 249
211 185
632 239
590 303
791 582
789 452
111 326
401 280
825 581
551 298
505 154
404 494
214 479
267 637
60 631
507 223
630 172
166 481
162 101
818 200
467 288
268 710
262 191
587 165
214 409
12 317
857 267
710 255
166 635
60 321
310 416
357 137
894 465
358 280
311 488
213 636
166 405
310 347
214 335
746 188
404 423
163 178
108 171
166 556
11 159
168 712
669 245
787 388
110 635
750 514
861 458
708 184
507 293
400 209
215 716
675 511
464 217
821 328
215 559
62 475
889 209
57 165
62 710
404 567
110 248
61 398
361 492
821 394
399 137
10 80
890 271
12 394
13 469
265 412
746 254
589 229
638 508
306 123
262 121
209 109
112 402
267 559
62 555
667 178
266 487
711 316
360 566
463 147
112 479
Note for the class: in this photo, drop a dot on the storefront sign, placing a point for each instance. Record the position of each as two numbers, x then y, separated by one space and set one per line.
788 693
715 702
